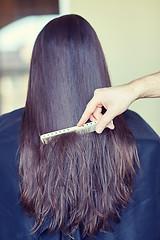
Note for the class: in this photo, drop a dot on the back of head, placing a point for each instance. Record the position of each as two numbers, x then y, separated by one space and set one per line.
67 66
77 180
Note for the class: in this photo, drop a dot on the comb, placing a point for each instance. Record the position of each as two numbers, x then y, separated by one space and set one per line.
86 128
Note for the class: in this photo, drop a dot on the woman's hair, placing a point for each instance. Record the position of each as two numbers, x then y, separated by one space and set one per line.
74 180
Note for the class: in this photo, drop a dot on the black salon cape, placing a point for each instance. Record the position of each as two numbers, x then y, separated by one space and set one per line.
140 220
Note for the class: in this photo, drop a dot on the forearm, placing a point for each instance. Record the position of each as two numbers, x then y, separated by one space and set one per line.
145 87
117 99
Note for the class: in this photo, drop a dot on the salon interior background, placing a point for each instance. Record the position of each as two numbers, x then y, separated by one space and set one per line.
128 31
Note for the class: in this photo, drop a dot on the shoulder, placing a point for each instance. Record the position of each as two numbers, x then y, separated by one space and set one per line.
148 143
9 124
140 128
9 140
9 136
14 224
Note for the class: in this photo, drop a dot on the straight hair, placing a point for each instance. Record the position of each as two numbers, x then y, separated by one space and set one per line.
74 180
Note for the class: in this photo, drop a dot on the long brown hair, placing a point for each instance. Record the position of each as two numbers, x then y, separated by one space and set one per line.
75 179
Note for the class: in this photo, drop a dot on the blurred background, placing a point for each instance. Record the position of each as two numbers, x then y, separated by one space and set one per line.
129 32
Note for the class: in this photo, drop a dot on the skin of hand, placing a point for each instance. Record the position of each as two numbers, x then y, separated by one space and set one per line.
148 86
117 99
114 99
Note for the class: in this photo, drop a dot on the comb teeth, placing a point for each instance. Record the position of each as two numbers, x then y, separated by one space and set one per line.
86 128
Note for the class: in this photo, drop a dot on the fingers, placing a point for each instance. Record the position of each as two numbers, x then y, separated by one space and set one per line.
91 107
105 121
111 125
92 118
97 114
93 112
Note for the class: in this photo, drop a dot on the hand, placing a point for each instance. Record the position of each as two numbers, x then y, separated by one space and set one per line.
114 99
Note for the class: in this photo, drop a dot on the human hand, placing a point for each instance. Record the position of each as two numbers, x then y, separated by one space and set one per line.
114 99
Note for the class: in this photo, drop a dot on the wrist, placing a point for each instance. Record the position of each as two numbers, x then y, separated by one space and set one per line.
134 90
146 87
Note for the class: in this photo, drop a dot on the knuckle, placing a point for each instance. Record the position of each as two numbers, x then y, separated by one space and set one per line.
88 105
97 91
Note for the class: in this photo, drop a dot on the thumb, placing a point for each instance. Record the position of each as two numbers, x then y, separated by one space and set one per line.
105 121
